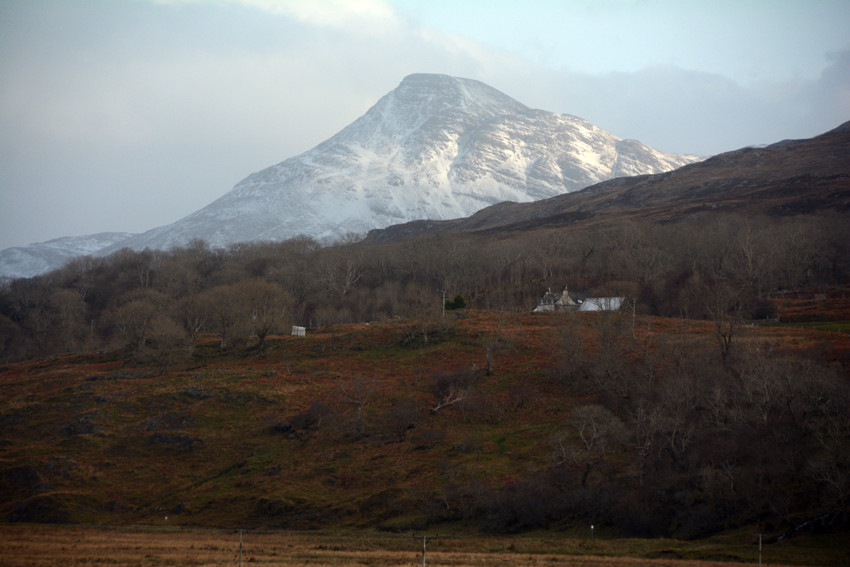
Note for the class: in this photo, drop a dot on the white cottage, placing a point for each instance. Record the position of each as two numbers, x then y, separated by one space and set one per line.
555 302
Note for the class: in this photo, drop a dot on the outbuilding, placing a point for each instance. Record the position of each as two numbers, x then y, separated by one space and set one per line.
601 304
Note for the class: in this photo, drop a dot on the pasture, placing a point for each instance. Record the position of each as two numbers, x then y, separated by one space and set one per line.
40 545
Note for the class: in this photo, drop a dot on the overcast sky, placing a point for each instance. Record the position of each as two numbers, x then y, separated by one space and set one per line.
127 115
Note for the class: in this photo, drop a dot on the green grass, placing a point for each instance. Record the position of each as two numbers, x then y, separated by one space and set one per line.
831 326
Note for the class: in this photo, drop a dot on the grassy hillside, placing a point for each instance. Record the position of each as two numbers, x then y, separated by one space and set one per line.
486 420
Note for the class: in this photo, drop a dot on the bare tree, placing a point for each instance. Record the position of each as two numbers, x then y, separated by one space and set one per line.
268 306
599 433
69 311
451 388
493 345
134 316
725 305
356 393
642 437
226 308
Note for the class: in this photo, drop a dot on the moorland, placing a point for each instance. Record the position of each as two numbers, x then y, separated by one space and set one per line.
711 411
164 389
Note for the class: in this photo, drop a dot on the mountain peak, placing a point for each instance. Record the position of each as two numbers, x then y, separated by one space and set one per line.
454 91
435 147
422 106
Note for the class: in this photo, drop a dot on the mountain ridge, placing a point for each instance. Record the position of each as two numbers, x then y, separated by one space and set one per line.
41 257
435 147
785 178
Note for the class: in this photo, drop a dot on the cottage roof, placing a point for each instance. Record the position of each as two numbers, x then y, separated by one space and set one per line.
552 300
601 304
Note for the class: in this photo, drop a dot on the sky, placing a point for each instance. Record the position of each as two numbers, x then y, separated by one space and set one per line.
125 115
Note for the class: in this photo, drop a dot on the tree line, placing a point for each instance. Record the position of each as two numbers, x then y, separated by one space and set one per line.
154 303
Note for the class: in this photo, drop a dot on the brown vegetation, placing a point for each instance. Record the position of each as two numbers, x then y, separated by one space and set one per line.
41 545
149 384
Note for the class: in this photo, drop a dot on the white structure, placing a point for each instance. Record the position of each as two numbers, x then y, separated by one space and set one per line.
555 302
299 331
602 304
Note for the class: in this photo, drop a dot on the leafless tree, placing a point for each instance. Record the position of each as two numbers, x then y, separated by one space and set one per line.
69 311
451 388
227 312
134 316
725 305
267 305
599 433
357 393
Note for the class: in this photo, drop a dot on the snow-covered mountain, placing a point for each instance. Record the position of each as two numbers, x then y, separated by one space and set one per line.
436 147
34 259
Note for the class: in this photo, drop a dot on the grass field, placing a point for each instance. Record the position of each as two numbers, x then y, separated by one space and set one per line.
96 439
31 545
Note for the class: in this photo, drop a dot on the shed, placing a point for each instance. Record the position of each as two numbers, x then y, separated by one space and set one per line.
602 304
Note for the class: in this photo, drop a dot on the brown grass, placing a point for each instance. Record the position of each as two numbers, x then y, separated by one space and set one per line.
44 545
113 473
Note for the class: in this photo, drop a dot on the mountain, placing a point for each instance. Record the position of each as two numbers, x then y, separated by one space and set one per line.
436 147
786 178
34 259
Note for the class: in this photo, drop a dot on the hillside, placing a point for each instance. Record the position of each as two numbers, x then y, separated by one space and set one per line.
501 422
42 257
792 177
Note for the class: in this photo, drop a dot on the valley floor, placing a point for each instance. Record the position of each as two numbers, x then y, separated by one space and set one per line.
39 545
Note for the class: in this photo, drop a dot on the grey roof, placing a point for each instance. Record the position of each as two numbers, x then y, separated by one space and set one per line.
601 304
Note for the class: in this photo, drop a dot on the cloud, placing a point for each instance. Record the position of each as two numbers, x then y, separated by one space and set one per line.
359 16
687 111
339 14
827 100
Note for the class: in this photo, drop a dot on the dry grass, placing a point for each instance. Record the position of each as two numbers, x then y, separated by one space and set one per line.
77 446
75 546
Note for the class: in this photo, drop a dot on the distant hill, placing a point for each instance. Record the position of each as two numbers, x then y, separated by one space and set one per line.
28 261
786 178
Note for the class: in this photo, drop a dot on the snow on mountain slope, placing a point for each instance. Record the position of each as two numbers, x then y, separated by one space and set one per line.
35 259
436 147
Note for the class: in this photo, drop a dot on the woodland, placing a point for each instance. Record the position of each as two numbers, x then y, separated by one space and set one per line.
719 267
695 409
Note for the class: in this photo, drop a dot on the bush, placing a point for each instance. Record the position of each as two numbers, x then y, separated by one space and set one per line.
457 303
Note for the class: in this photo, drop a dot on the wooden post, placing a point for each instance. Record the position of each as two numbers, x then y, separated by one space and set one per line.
425 539
634 317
